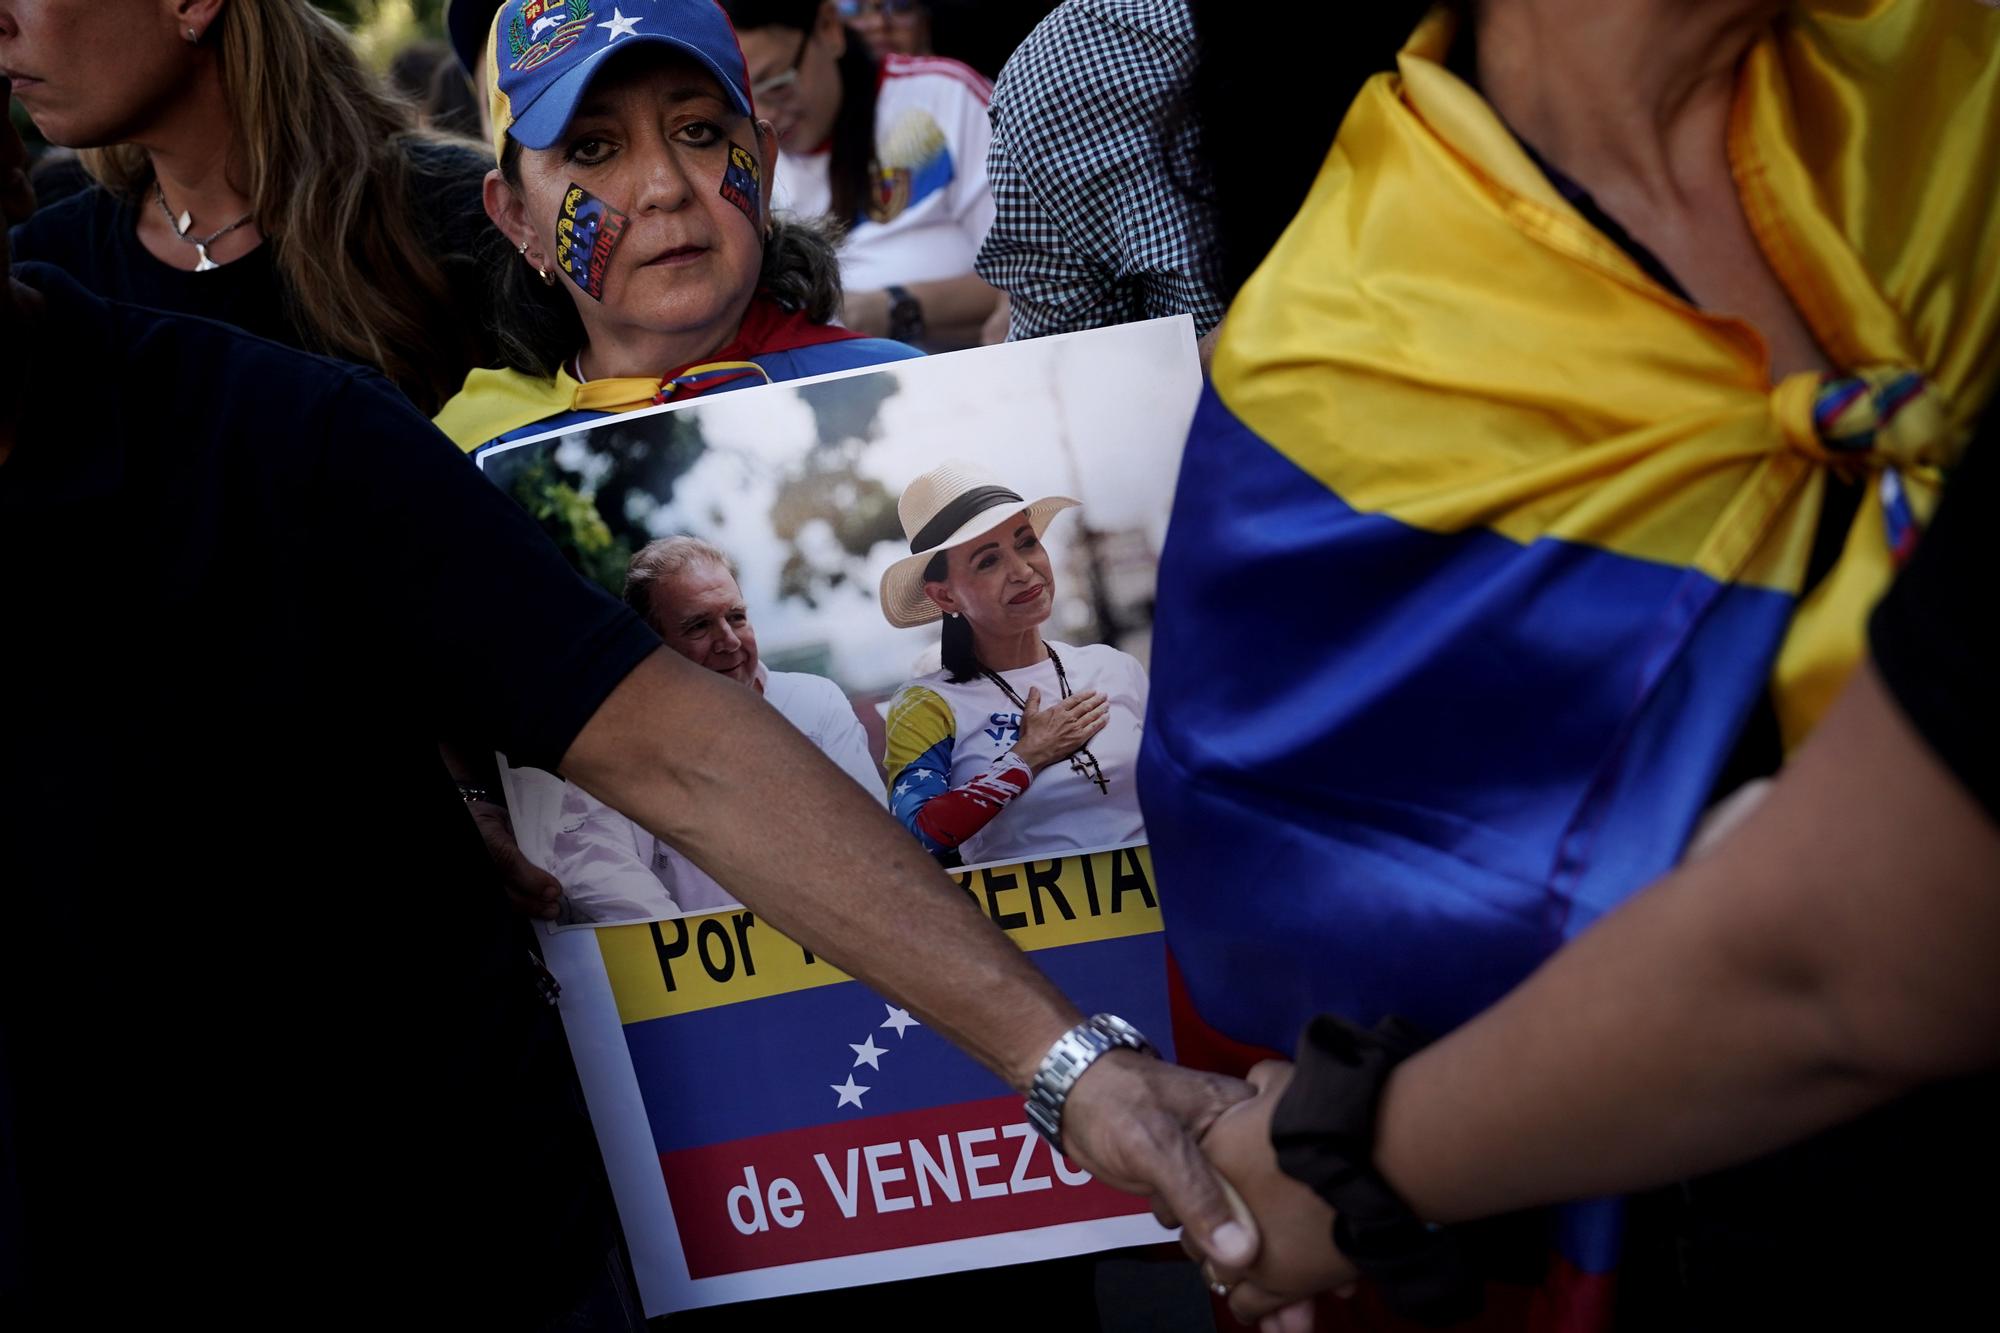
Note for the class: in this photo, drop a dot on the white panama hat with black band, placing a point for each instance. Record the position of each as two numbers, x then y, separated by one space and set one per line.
949 505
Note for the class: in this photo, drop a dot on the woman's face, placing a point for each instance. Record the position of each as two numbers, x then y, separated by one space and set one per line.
95 72
651 139
999 581
795 78
890 27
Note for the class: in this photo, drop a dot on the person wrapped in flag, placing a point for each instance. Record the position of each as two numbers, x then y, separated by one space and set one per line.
635 185
1557 515
1018 747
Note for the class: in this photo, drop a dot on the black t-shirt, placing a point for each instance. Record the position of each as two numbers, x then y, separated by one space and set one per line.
271 1038
93 236
1875 1223
1933 637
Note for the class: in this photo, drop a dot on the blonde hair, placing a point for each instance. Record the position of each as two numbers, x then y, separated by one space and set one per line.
325 145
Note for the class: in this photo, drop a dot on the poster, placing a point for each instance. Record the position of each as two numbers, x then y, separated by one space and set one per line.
770 1125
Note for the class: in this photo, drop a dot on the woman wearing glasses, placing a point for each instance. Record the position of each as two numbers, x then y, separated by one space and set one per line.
1019 747
895 154
890 27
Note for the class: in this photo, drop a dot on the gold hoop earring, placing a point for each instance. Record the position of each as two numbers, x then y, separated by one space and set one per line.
541 270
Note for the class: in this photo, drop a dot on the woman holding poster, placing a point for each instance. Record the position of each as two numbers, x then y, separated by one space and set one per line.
634 184
977 750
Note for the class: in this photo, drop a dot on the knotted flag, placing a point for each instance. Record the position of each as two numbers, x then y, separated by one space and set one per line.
1486 544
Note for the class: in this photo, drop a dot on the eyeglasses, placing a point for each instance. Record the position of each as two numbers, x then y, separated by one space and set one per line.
780 87
855 9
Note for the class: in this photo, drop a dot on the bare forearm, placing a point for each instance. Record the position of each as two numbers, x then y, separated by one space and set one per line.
1611 1070
704 764
955 309
1834 951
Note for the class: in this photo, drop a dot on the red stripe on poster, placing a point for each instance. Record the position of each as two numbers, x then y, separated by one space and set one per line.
875 1183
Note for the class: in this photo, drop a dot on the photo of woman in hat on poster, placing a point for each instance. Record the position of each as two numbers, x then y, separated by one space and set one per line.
1018 747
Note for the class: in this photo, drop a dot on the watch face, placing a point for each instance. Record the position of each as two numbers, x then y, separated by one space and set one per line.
1120 1032
906 315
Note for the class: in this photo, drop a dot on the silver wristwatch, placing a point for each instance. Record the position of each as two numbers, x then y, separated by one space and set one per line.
1075 1051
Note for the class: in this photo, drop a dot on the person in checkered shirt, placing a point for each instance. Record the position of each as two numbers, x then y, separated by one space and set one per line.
1093 222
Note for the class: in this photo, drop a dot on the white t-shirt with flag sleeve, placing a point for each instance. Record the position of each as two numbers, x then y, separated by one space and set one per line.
931 207
941 736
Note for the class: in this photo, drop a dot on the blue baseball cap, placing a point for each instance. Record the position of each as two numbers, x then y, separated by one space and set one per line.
544 53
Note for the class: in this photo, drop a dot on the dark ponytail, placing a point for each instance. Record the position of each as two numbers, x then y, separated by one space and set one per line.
955 652
851 171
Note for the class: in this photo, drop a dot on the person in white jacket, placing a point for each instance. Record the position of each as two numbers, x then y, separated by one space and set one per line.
611 869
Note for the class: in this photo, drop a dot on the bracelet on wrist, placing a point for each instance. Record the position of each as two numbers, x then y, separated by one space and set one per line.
1323 1131
906 315
1073 1052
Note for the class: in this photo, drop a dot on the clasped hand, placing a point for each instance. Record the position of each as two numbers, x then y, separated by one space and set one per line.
1296 1259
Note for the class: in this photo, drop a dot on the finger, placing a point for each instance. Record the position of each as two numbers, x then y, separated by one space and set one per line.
1296 1318
1253 1305
1034 702
1199 1097
1086 720
530 879
1209 1209
534 890
1266 1072
544 909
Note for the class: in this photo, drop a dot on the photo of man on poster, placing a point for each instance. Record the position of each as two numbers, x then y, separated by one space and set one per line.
610 868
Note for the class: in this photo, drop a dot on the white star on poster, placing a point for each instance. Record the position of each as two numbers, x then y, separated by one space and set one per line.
620 27
868 1052
850 1093
899 1019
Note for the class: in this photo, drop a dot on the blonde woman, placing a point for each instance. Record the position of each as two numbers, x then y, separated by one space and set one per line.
251 170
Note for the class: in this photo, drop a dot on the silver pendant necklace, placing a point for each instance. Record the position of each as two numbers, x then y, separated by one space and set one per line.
185 220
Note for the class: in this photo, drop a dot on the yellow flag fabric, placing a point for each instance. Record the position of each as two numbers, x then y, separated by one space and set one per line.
1486 544
1442 338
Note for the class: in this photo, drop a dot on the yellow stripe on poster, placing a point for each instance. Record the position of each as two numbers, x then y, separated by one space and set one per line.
676 967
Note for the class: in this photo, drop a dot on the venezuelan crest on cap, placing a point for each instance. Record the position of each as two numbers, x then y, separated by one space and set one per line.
544 29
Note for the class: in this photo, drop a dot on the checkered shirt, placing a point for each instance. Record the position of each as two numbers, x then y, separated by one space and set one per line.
1090 227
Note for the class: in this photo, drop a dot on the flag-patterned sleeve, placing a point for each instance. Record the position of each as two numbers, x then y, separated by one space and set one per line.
922 732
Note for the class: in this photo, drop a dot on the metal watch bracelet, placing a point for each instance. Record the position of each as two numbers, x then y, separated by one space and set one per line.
1075 1051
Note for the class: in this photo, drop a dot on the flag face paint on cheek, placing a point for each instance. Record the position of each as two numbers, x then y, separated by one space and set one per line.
740 181
588 230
